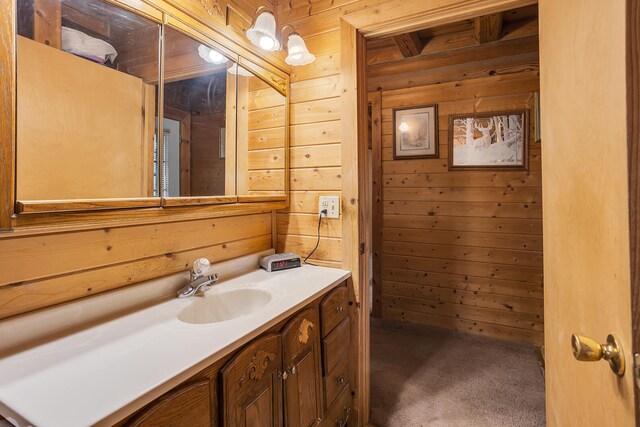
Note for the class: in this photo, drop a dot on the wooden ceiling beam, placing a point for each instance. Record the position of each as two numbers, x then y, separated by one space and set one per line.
409 44
488 28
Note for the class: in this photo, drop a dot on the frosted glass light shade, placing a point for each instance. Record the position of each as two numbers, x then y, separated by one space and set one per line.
211 55
263 33
404 127
235 69
298 52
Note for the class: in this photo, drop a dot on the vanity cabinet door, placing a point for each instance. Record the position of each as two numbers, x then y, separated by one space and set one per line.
252 385
303 383
185 406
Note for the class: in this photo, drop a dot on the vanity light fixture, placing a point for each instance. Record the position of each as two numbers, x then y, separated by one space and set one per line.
211 55
298 52
263 35
263 32
404 127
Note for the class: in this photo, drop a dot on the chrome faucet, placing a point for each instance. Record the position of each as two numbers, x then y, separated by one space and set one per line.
199 283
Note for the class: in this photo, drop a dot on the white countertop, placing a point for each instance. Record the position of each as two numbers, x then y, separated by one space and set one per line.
102 373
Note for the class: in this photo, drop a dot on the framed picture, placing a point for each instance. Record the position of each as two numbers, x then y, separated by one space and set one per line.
415 134
489 141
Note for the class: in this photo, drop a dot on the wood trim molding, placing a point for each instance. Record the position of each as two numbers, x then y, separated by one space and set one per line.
392 17
354 192
198 200
62 222
7 112
44 206
376 182
633 159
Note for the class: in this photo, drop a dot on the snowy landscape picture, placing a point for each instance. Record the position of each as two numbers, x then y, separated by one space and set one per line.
415 132
497 140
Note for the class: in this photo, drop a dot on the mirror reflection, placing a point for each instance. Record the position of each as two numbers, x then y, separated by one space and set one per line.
261 137
199 119
86 100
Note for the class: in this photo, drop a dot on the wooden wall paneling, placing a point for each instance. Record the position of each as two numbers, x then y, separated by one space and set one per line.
94 261
454 245
454 65
313 134
377 197
7 113
469 326
384 50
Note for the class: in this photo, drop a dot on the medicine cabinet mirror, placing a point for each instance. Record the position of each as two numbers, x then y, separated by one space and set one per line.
117 110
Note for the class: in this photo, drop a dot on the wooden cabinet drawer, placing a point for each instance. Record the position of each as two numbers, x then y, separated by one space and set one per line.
336 346
186 406
333 309
335 381
338 415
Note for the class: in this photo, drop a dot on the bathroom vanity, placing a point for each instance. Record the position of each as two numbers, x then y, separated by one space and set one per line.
257 349
297 373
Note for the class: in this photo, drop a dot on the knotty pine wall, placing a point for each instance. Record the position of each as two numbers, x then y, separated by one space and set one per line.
461 250
315 134
265 140
43 270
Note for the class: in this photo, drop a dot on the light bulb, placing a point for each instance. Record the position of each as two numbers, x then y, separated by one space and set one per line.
211 55
267 43
404 127
216 57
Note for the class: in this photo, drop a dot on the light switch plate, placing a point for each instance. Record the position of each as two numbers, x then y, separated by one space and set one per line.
331 204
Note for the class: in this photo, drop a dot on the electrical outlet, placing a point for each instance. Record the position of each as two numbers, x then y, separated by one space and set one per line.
331 204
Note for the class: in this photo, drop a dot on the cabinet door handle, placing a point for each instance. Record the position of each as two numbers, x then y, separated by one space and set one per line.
340 309
341 380
282 375
291 371
342 423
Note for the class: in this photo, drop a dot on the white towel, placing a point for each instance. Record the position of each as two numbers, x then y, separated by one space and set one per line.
81 44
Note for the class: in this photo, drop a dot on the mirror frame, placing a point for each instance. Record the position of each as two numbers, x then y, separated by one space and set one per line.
219 24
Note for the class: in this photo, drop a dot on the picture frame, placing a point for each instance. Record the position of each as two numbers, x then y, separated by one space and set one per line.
494 140
415 132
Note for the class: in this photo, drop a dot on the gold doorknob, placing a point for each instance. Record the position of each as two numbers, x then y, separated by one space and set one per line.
589 350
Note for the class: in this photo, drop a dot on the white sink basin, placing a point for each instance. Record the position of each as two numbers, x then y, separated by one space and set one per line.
226 305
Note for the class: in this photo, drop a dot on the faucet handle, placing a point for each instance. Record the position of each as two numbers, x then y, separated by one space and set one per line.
200 266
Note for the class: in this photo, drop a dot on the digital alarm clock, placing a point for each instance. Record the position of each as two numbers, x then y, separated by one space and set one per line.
277 262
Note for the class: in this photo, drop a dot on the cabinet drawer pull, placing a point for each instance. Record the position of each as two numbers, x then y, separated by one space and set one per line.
340 309
341 380
342 423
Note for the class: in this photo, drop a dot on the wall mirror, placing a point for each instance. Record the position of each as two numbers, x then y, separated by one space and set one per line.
86 101
117 110
198 119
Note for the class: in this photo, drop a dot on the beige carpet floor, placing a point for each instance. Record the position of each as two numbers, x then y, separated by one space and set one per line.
424 376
